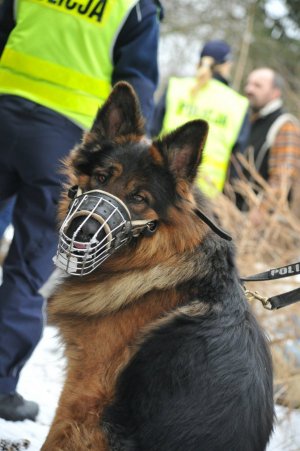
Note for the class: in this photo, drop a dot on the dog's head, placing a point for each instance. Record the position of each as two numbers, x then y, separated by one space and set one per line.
150 183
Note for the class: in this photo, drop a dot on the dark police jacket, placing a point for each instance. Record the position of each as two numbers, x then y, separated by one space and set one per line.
258 142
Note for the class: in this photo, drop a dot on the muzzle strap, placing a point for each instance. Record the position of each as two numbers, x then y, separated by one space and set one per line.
145 227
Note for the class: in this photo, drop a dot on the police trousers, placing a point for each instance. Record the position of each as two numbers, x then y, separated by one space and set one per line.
33 141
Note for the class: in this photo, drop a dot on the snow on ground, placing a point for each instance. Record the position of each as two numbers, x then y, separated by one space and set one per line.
42 379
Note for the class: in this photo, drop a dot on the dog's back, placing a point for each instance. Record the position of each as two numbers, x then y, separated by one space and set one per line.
163 351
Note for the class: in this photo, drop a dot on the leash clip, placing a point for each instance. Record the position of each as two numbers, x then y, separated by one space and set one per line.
254 295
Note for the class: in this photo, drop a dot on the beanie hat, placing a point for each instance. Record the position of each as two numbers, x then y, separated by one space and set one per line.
219 50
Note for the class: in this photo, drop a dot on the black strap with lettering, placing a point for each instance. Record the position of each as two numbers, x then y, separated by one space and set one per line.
277 273
284 299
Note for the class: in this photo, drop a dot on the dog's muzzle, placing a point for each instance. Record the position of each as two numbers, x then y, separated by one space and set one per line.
97 224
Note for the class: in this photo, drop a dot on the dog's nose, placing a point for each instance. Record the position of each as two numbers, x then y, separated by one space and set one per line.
84 230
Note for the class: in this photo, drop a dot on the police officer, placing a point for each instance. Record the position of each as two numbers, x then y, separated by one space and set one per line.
59 62
208 96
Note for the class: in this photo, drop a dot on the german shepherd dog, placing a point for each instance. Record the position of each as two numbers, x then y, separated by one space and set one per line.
163 352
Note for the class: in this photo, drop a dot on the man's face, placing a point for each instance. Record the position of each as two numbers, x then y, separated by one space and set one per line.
260 89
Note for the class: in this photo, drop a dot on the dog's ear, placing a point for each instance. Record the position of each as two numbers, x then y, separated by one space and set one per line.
183 148
120 115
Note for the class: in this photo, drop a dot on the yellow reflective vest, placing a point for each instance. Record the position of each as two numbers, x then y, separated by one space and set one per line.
224 110
60 54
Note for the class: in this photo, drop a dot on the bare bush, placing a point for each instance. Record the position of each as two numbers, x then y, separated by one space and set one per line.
273 243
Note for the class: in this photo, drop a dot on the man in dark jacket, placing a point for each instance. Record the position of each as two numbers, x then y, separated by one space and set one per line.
274 139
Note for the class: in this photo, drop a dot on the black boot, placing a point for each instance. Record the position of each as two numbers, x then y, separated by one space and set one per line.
15 408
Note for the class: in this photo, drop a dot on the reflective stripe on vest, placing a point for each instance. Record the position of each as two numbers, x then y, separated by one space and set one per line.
223 109
60 54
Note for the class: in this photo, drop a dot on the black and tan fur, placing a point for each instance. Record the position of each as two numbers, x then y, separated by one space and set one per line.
163 352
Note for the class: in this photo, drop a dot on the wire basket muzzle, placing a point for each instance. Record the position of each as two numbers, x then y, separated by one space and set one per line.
96 225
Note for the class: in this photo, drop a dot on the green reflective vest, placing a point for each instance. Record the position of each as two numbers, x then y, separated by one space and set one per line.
60 54
224 110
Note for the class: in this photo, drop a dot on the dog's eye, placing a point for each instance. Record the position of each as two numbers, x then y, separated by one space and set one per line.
138 198
102 178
